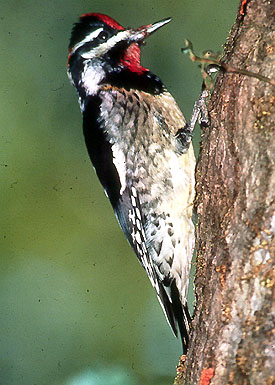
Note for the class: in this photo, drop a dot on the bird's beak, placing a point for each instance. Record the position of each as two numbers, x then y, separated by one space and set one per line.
142 32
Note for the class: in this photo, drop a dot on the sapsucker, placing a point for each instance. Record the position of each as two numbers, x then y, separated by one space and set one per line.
139 144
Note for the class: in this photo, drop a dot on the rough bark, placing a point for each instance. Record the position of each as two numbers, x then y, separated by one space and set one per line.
232 341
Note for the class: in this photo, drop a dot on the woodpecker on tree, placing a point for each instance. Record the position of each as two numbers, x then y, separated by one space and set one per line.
139 143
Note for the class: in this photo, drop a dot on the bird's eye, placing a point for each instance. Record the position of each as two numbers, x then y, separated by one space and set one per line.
103 36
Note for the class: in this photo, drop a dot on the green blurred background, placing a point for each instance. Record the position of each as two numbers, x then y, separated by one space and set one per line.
76 306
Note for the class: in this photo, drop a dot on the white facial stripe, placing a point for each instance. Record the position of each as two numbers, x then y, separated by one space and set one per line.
105 47
88 38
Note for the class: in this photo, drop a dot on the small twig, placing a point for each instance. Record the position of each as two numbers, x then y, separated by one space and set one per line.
209 58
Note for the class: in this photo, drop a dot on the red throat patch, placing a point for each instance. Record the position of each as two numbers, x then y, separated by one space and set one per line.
131 59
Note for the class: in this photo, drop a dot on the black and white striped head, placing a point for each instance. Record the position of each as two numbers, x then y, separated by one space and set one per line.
100 46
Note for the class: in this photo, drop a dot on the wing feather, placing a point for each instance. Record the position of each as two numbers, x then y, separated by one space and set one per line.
132 221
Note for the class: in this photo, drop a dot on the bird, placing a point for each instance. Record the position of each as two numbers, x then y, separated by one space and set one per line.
140 146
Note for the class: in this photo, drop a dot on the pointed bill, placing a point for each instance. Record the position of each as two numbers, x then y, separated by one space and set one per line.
142 32
153 27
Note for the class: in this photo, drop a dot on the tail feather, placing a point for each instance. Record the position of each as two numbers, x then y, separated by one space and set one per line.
177 315
182 316
168 310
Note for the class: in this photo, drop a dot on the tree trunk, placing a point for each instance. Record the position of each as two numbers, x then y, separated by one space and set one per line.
232 340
